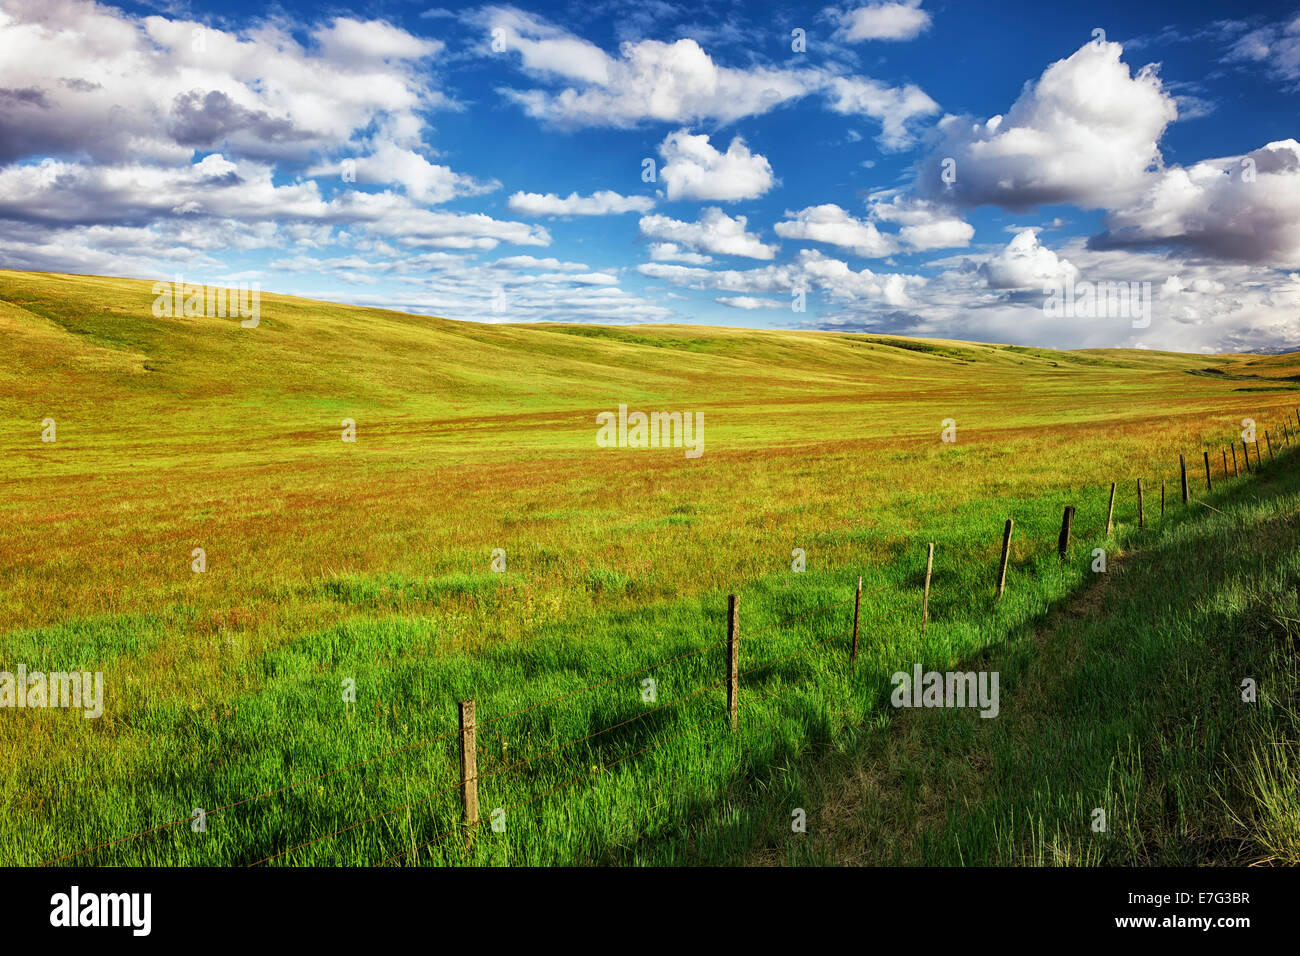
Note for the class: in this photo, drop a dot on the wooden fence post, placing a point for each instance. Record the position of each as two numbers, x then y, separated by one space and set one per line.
1268 441
857 607
1142 518
1246 451
1235 472
1110 510
468 763
1067 522
733 661
1006 553
925 598
1209 486
1182 467
1258 463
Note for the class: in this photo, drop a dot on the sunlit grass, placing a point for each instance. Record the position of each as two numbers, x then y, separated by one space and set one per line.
371 562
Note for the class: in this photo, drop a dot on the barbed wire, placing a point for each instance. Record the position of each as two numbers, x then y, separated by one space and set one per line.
745 634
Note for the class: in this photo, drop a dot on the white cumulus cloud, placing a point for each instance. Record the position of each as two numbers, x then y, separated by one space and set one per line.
830 224
750 303
1086 132
1025 263
693 169
715 232
601 203
1243 208
883 21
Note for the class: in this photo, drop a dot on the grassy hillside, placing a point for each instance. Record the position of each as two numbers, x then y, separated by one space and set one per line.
1127 698
371 561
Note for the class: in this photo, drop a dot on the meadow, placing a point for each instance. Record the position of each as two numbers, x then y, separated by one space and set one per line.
371 562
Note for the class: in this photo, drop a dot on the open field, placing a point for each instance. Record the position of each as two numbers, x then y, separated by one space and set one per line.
330 561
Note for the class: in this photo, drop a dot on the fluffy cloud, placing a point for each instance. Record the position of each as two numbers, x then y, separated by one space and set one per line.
695 170
830 224
923 225
512 289
1086 132
883 21
671 252
810 270
217 202
750 303
533 262
1243 208
672 82
484 296
1027 264
601 203
895 108
116 107
101 83
715 231
675 82
1195 304
423 181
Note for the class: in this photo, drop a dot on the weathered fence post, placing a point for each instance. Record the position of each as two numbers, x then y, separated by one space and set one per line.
1258 463
1110 510
1067 522
1235 472
1209 486
925 598
468 763
857 607
1225 464
1006 553
1142 518
1269 442
1182 467
1245 449
733 661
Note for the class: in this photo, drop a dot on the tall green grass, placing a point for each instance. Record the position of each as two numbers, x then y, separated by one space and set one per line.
622 795
1129 701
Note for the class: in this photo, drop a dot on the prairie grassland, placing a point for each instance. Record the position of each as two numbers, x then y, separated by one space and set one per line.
371 561
1128 700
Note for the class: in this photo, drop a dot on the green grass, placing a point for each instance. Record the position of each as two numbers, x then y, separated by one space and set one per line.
1128 700
369 564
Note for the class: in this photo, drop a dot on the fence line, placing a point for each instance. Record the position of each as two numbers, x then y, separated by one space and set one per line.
595 770
732 680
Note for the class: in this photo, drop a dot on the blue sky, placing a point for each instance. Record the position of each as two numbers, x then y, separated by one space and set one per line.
916 168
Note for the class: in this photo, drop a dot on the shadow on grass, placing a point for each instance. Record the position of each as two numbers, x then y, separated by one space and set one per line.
1128 694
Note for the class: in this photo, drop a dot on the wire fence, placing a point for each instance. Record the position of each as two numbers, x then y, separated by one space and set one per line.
470 778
